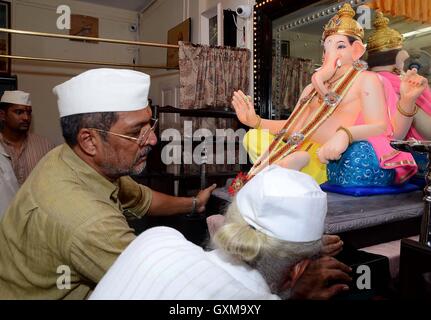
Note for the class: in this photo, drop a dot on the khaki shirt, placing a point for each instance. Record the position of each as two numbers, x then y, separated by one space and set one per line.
66 217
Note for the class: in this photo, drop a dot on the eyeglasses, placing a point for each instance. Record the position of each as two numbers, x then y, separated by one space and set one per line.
143 136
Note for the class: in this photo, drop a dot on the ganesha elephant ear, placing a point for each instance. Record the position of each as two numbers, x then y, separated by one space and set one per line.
359 50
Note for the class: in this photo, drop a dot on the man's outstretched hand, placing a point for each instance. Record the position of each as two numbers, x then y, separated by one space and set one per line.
203 197
322 279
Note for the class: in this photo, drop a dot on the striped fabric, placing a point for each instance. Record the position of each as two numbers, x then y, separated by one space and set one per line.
162 265
26 158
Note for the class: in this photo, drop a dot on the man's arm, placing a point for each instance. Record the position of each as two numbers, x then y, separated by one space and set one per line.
95 245
140 200
166 205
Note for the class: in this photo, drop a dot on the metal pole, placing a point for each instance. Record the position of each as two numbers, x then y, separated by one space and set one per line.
82 38
125 65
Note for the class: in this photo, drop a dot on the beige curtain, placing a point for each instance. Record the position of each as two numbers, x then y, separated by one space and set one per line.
210 75
417 10
208 78
295 75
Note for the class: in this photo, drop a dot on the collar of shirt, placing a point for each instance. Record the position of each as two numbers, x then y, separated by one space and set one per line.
11 146
88 175
3 152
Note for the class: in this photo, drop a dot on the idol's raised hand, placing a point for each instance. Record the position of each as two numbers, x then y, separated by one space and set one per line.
412 86
244 109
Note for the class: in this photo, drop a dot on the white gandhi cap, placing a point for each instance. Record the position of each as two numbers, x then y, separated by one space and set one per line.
284 204
16 97
103 90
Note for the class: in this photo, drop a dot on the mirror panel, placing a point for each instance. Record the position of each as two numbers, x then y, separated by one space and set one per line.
288 47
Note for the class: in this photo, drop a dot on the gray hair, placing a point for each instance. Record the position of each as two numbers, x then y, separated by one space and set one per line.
270 256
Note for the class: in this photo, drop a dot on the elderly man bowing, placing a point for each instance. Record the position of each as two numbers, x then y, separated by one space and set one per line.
262 250
67 224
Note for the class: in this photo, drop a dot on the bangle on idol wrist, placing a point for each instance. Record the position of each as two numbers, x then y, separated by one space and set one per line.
349 134
406 114
259 120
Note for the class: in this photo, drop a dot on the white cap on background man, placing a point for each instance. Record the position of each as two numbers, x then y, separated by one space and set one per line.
16 97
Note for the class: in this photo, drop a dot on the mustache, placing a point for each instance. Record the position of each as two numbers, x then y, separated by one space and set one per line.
145 151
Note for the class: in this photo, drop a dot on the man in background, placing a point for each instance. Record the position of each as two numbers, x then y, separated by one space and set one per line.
24 148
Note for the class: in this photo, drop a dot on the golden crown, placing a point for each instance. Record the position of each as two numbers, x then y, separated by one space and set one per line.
343 23
384 38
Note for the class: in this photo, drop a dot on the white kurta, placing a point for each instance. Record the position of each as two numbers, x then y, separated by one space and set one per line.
161 264
8 183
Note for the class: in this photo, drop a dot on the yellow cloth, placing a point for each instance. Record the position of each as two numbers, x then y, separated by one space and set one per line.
65 214
257 140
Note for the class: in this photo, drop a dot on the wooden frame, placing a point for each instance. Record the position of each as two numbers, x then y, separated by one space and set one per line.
181 32
84 26
5 38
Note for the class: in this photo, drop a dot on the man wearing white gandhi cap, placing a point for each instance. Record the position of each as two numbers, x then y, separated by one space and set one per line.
25 149
70 215
275 223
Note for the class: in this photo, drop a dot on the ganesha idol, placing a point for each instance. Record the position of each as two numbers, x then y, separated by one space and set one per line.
340 124
410 115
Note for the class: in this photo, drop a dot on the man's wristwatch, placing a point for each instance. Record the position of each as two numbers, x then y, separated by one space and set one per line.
194 205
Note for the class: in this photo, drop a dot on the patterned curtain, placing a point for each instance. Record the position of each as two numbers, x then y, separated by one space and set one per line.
210 75
417 10
295 75
208 78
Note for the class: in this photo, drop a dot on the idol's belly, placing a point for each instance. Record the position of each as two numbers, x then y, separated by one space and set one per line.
345 115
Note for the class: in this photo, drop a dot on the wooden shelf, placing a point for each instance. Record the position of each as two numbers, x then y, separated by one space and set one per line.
199 113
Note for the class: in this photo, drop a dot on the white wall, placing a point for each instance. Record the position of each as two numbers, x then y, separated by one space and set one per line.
155 23
40 15
40 78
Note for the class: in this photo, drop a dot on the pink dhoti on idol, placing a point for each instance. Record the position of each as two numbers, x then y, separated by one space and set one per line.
402 162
